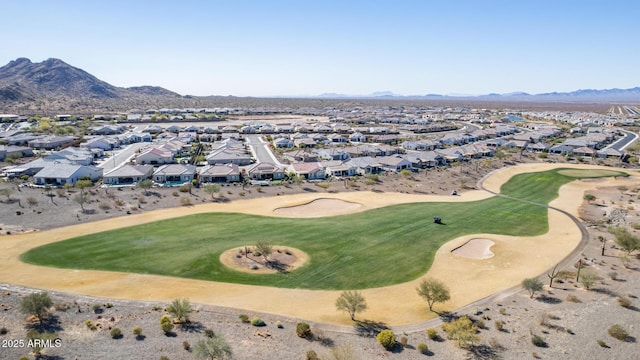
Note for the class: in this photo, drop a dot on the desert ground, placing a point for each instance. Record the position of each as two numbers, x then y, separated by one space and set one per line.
396 306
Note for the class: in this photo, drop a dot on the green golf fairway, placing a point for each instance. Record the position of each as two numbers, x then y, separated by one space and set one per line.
375 248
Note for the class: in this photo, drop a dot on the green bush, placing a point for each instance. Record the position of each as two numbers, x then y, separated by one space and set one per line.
137 331
618 332
244 318
186 345
166 324
602 343
209 333
303 330
116 333
279 325
256 321
499 325
404 341
387 339
538 341
423 348
433 334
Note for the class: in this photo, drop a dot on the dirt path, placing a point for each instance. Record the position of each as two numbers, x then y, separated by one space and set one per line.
515 258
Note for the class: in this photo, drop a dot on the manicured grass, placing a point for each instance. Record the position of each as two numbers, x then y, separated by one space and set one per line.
370 249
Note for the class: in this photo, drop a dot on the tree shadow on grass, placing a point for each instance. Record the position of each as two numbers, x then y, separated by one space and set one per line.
369 328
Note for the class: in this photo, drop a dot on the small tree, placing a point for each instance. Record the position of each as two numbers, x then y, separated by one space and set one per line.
6 192
81 199
462 331
264 248
212 189
180 309
83 184
213 348
145 184
625 240
36 304
588 278
532 285
351 302
433 291
552 275
589 198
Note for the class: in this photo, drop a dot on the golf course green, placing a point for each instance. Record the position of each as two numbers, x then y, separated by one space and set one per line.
375 248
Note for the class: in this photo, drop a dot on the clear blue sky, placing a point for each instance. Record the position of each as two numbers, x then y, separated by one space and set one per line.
271 48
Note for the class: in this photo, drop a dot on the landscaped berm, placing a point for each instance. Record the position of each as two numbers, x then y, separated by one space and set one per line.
385 250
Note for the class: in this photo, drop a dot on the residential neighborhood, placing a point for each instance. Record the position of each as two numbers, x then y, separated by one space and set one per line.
320 144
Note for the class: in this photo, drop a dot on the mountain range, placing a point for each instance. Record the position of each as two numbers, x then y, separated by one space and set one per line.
55 84
23 81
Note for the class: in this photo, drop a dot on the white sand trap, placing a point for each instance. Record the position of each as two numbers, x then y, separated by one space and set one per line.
478 249
318 207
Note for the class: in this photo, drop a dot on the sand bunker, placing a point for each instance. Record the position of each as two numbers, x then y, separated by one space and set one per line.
475 249
318 207
285 259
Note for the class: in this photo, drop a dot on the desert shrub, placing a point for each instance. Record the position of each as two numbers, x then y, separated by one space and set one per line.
175 193
104 206
538 341
369 182
481 325
119 202
88 323
433 334
303 330
387 339
618 332
3 331
566 274
185 188
462 331
624 302
404 341
311 355
108 305
423 348
116 333
279 324
32 201
588 278
166 324
256 321
142 200
499 324
502 311
573 298
244 318
137 331
613 275
209 333
164 358
186 345
602 343
185 201
96 308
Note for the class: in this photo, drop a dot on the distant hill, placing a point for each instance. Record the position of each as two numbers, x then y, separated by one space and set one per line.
54 80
